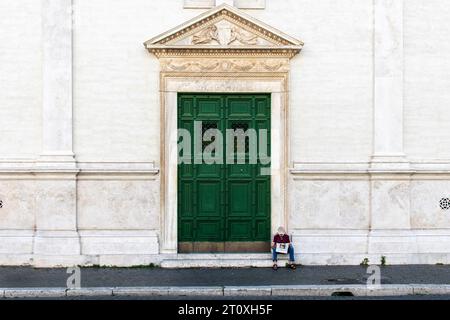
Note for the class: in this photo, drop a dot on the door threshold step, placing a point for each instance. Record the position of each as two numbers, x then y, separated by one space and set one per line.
219 263
222 256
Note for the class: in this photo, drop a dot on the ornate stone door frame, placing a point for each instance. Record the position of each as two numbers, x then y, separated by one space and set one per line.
223 51
230 83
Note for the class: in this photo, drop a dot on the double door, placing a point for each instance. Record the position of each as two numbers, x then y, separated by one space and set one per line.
224 202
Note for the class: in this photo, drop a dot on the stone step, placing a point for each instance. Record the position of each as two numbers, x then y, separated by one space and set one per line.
223 256
219 263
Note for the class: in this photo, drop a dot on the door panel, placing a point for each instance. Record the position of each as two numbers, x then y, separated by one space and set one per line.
208 196
239 230
239 198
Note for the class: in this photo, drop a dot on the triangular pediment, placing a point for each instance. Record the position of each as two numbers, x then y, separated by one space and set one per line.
223 29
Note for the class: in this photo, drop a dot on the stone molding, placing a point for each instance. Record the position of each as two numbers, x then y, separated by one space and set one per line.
19 168
171 84
32 170
224 65
417 170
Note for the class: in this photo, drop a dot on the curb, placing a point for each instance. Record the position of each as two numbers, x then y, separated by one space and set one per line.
228 291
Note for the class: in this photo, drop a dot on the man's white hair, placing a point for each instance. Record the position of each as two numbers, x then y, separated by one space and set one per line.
281 230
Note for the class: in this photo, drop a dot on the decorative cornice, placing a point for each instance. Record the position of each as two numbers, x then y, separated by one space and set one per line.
208 51
363 170
205 41
34 170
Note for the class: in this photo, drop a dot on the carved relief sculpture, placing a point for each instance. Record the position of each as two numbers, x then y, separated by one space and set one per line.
206 36
227 65
242 37
224 32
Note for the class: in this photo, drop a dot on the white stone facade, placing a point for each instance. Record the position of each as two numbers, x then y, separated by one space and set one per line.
366 148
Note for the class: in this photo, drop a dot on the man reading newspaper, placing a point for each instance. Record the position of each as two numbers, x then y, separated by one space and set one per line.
282 244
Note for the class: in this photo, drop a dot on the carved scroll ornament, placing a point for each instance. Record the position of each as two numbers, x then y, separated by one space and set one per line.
228 65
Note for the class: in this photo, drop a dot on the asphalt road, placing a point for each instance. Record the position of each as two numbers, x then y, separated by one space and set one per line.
27 277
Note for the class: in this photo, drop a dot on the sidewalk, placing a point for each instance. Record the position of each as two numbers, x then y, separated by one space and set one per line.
305 281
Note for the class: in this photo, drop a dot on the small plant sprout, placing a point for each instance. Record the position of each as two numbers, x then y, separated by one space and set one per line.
365 262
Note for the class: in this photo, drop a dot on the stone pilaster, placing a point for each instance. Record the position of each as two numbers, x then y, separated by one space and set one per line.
57 84
250 4
228 2
56 240
199 4
390 227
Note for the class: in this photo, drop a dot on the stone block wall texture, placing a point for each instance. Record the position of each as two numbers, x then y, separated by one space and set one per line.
427 137
20 79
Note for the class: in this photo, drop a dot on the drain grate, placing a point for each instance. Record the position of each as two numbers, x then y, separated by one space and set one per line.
342 294
344 281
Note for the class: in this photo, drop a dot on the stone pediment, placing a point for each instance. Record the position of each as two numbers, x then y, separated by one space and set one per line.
223 30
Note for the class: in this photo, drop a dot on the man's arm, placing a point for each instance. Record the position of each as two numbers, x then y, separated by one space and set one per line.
288 239
274 242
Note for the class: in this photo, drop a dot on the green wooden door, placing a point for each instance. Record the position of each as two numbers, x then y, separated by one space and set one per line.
224 206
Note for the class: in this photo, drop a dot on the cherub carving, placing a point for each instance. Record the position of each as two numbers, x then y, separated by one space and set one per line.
243 37
206 36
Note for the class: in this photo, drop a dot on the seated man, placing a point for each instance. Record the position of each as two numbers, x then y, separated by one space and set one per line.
282 237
